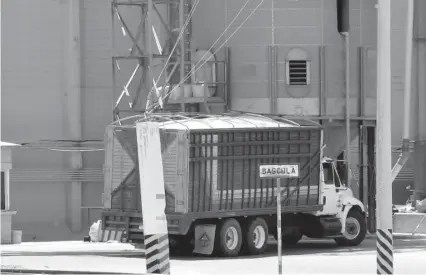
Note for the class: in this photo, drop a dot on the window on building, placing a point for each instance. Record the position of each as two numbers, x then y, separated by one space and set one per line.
3 189
298 72
297 68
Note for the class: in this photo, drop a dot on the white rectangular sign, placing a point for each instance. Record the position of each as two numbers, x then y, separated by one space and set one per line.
279 171
151 178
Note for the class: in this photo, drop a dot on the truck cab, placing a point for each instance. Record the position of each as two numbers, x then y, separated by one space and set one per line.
341 218
338 200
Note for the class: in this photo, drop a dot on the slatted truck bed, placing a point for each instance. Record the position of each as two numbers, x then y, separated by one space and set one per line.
211 176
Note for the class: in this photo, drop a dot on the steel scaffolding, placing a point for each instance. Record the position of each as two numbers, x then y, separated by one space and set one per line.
140 52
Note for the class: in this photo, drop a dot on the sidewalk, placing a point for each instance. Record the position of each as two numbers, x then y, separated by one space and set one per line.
64 249
63 272
69 248
400 236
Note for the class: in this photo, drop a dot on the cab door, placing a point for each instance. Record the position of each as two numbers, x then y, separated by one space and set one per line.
329 185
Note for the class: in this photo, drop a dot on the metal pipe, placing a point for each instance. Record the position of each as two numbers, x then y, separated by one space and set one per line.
114 62
279 232
273 23
182 44
408 67
149 52
407 91
347 100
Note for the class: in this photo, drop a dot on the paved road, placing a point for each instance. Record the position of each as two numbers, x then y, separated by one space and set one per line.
306 257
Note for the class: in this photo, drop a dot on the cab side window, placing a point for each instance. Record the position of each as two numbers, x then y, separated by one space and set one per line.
328 173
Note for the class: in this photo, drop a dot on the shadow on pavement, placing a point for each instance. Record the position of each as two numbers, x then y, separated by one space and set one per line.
314 248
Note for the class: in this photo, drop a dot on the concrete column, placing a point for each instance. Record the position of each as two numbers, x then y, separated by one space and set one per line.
420 144
73 99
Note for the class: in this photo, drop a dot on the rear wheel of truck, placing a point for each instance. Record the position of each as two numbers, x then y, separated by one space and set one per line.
229 240
289 239
356 229
255 236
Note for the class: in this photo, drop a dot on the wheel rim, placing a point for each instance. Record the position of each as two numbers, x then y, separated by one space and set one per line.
352 228
231 238
259 237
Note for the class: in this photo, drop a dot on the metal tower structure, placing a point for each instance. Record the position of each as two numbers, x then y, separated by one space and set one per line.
140 52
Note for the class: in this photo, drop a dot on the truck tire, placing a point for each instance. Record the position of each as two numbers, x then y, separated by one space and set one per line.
356 230
255 237
289 239
230 239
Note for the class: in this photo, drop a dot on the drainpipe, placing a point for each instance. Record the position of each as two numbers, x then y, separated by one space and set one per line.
407 92
343 25
348 113
73 99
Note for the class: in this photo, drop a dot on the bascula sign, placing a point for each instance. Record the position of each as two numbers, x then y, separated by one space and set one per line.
279 171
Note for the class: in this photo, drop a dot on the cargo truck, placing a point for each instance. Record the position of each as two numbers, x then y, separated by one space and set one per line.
214 195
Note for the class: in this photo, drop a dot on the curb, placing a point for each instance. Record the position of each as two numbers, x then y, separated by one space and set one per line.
48 271
401 236
72 253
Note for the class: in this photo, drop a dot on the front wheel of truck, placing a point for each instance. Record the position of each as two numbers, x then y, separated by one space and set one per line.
229 240
355 229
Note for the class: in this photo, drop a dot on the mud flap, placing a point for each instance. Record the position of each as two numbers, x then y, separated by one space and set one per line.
204 239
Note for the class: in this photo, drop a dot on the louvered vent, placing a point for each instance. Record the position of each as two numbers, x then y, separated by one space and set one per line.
297 72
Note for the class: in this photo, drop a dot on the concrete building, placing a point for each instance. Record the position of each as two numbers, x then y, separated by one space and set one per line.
57 88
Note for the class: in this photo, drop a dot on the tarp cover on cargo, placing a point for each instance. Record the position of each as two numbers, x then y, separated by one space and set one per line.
211 162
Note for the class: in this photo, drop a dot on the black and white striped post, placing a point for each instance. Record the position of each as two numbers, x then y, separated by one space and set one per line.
153 198
279 171
384 251
157 254
383 141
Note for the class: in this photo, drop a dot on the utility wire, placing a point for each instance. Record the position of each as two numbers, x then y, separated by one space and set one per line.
227 39
178 38
192 72
193 8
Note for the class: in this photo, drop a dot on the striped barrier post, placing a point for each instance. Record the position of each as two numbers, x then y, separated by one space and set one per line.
384 251
157 253
153 198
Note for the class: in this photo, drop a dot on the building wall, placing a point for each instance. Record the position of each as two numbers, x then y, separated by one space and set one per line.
305 24
34 99
33 75
34 83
